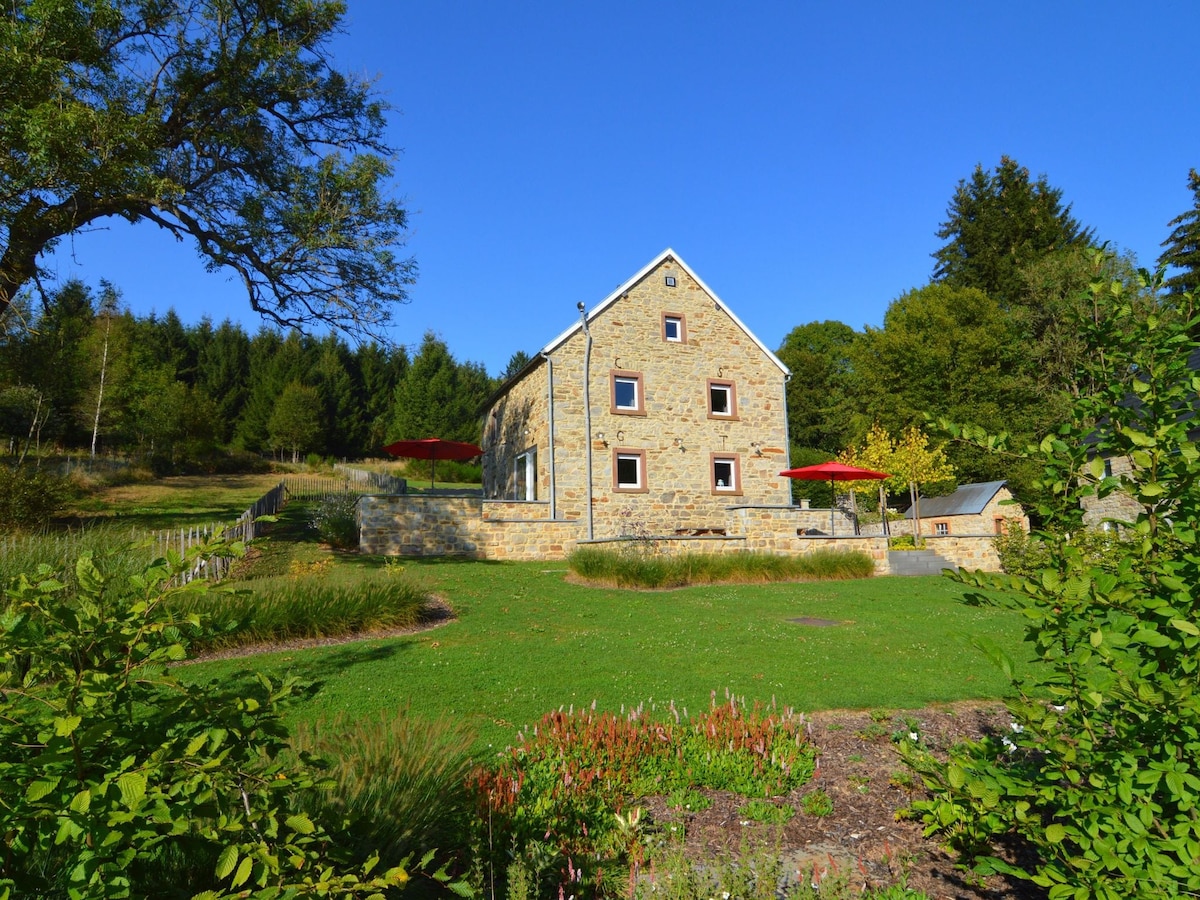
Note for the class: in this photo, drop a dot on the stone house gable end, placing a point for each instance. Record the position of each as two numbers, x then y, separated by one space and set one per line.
686 406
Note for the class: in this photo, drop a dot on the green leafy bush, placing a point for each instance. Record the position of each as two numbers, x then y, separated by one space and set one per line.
335 519
120 780
658 570
1097 777
30 497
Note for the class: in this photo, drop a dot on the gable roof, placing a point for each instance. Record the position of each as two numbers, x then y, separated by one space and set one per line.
968 500
642 273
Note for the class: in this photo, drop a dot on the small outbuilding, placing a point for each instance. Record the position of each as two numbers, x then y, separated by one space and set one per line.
973 509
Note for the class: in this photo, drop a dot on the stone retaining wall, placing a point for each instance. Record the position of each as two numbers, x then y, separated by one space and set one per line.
417 525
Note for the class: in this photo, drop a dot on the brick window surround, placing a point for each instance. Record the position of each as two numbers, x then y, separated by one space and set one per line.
680 323
726 463
626 464
623 378
721 392
941 528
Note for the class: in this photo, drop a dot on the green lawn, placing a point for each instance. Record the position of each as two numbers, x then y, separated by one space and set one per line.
527 642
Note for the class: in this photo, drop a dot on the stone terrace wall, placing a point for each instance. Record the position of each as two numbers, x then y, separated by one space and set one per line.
416 525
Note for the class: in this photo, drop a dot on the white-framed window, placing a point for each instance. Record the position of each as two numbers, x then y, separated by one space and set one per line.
674 328
726 471
629 471
628 393
525 475
722 399
941 528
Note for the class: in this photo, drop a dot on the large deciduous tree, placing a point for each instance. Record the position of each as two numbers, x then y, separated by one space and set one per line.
1183 245
817 393
997 224
222 122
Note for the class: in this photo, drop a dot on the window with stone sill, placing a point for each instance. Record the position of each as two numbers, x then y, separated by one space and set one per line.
941 529
627 393
726 473
674 328
722 399
629 471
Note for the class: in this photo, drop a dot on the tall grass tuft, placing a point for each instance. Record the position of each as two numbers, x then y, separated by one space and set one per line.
119 551
399 783
622 568
286 608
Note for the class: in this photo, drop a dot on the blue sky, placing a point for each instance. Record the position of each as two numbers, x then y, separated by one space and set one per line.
798 156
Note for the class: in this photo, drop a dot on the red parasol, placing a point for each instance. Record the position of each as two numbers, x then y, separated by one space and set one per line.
433 449
834 471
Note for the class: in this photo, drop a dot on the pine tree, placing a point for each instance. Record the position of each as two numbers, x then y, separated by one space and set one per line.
997 224
1183 245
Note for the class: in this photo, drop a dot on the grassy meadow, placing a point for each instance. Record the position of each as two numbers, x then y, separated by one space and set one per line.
526 642
171 502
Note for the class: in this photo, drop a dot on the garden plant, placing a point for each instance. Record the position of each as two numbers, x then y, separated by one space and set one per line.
1097 778
121 780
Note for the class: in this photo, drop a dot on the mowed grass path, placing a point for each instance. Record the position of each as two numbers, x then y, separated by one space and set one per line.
526 642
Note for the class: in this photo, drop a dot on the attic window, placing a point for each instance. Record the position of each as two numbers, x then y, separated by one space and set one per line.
669 281
674 329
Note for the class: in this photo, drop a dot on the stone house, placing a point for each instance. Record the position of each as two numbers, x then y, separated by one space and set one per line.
986 508
655 412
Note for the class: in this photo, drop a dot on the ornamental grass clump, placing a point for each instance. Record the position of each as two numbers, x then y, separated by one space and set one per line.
565 798
623 568
275 609
398 784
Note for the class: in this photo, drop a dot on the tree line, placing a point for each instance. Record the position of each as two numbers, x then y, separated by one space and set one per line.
990 341
78 372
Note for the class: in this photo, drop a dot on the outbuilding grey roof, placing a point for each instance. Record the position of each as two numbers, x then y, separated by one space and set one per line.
968 500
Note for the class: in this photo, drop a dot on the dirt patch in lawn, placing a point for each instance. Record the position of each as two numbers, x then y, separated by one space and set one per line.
860 839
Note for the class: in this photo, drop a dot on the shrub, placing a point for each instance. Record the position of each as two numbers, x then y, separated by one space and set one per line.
120 780
1097 777
335 519
30 497
622 568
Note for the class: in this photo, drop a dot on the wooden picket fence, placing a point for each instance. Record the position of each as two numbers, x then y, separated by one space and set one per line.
245 528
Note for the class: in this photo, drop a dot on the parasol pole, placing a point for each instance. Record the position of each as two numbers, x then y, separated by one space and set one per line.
832 503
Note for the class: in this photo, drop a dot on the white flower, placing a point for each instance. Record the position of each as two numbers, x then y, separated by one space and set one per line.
913 736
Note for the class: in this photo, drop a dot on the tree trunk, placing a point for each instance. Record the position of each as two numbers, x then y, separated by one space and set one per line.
915 493
100 395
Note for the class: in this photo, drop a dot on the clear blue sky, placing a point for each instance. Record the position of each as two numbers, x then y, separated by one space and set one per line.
799 156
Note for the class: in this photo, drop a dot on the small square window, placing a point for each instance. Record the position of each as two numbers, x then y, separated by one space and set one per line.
722 400
726 474
669 281
629 471
627 394
674 329
941 528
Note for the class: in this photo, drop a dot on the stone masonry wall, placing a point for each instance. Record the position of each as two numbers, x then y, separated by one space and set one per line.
1117 506
673 429
516 423
416 525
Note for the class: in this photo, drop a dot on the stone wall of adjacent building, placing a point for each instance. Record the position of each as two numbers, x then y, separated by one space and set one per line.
1117 506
